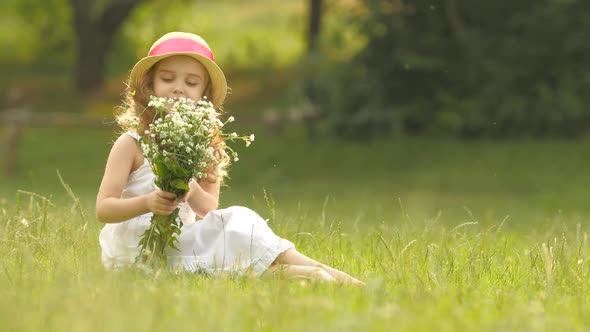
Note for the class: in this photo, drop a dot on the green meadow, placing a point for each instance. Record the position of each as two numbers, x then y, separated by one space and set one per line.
449 235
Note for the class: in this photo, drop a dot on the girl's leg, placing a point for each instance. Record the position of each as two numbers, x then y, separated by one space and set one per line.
293 257
298 271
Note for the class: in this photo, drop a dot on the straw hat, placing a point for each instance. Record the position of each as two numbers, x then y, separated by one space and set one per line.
183 43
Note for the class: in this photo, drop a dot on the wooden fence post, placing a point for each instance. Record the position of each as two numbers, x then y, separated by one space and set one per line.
17 115
15 119
14 116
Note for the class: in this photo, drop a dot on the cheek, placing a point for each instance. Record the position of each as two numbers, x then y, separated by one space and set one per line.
196 93
157 87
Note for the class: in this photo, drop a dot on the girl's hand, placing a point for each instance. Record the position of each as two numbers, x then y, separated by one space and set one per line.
203 197
162 202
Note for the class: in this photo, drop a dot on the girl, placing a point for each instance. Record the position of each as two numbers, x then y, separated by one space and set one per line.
235 239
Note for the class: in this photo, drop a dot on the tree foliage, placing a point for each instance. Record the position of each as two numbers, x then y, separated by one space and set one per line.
466 68
36 31
92 40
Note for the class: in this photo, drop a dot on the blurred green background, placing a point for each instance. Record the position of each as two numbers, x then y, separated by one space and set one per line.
364 111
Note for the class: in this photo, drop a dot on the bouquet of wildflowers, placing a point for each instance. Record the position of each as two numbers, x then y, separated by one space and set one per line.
178 145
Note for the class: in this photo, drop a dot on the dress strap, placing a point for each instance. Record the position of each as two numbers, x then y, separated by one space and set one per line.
133 134
136 136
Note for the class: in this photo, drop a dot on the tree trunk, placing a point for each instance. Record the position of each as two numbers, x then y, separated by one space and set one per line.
92 51
310 118
315 17
95 36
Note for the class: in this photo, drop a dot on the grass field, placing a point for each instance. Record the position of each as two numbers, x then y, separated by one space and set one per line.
487 236
449 235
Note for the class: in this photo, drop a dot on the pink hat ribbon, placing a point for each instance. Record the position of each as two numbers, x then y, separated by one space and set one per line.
181 45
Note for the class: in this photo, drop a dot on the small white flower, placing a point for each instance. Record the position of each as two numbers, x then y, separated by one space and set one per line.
231 119
252 138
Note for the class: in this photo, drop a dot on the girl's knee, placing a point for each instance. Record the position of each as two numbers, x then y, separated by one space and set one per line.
321 274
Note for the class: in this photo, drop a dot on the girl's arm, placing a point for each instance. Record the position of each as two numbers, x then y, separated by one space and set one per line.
203 196
110 207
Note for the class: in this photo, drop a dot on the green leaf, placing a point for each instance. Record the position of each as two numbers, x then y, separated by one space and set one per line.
160 168
179 184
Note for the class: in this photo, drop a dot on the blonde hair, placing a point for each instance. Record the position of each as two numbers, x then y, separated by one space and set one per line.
135 105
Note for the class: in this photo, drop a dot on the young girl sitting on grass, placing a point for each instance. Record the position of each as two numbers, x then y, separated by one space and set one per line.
234 239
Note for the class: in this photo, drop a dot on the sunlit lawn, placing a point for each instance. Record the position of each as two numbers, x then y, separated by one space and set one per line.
449 235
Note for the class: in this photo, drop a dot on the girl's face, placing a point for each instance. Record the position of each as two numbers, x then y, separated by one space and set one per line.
180 76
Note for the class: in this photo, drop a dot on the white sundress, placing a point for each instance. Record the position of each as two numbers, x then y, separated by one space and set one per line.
232 240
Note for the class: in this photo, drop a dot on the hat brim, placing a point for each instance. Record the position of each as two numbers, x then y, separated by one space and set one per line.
218 82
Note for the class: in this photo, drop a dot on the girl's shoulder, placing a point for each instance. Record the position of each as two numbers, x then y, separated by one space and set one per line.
126 150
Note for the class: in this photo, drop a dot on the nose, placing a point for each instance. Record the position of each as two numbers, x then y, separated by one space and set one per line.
178 90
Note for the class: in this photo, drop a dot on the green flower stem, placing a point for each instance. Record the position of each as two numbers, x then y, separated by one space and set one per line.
157 238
